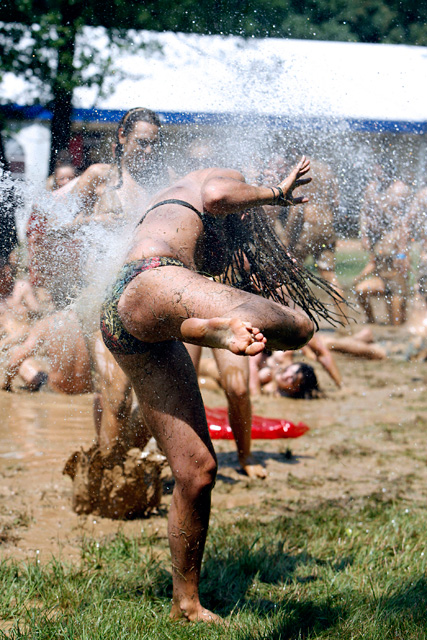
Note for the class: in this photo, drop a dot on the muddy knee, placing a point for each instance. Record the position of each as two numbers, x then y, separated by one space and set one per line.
303 331
197 480
235 384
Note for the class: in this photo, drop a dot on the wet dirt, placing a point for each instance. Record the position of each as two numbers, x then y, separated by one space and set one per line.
370 437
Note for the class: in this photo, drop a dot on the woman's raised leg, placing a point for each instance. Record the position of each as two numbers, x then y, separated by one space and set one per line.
173 302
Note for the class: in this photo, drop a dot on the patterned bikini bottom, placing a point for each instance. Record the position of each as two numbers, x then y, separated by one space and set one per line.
115 336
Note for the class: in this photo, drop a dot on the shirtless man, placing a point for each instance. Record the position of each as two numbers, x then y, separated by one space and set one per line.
386 234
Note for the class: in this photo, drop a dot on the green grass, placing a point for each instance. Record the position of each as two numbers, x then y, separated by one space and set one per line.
349 264
336 571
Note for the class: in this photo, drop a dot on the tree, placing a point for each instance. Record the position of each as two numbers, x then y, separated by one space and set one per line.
38 43
38 37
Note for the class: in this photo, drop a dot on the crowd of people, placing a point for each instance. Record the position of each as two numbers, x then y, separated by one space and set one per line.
212 260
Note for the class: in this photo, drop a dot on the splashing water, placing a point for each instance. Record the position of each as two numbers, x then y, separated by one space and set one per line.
263 82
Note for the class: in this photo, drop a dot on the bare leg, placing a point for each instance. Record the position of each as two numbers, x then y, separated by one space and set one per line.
365 291
396 307
364 335
354 347
232 372
255 364
165 383
118 423
234 378
172 302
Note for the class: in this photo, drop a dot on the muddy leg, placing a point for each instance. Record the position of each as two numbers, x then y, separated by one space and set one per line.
365 291
166 385
117 423
173 302
234 378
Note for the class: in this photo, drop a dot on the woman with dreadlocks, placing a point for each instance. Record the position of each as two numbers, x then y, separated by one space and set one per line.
208 223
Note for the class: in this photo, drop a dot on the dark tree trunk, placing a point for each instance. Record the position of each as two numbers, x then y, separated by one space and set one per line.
62 101
3 160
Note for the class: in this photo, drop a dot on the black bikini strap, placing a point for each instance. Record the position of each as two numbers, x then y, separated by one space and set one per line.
182 203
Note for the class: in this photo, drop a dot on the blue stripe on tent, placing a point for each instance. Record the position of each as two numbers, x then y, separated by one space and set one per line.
38 112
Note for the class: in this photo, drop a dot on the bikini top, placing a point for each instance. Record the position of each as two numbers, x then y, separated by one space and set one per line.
215 237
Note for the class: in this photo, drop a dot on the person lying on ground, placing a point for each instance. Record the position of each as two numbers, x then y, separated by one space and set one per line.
279 373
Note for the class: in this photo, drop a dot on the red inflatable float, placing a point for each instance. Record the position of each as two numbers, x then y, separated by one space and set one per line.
262 428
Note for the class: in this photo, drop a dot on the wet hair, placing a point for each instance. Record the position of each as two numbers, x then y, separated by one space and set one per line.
64 159
257 261
127 123
309 386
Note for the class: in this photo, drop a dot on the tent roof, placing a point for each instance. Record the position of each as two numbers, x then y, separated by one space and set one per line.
193 77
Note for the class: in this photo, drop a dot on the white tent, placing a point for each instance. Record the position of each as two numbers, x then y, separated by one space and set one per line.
194 74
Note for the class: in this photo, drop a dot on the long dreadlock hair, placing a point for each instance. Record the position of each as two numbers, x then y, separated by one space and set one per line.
127 123
258 261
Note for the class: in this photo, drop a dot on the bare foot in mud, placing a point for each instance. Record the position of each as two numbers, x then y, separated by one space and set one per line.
253 469
194 614
224 333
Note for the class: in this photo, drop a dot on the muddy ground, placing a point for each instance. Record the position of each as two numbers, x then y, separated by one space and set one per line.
369 437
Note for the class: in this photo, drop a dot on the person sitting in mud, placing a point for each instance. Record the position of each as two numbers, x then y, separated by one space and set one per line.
60 339
388 269
207 223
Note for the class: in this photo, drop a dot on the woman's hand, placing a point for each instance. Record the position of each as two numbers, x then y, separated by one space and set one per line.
293 181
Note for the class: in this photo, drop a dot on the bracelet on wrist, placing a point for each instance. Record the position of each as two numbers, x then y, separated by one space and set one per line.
281 199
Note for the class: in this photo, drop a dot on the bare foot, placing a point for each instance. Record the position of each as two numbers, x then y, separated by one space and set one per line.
365 335
252 468
233 334
196 614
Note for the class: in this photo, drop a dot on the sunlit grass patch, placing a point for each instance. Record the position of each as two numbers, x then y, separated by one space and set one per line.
335 571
